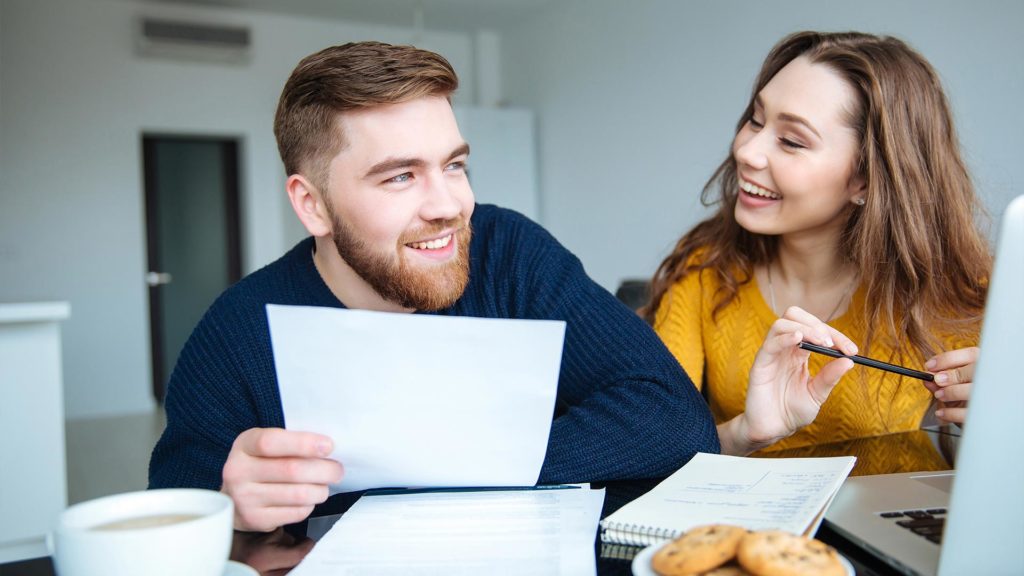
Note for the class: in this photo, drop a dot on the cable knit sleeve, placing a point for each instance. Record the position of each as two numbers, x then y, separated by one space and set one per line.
210 398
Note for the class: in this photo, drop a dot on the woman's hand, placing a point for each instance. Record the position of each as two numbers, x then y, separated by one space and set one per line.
954 375
782 397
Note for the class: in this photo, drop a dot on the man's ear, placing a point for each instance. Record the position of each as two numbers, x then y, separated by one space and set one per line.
308 204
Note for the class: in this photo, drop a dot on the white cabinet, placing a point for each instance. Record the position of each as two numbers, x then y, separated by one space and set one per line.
33 481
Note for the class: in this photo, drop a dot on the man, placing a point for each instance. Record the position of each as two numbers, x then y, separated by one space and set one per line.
377 174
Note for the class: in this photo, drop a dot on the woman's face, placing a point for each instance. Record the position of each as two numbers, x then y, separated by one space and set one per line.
795 157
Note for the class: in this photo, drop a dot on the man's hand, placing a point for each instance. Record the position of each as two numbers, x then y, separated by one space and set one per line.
276 476
272 553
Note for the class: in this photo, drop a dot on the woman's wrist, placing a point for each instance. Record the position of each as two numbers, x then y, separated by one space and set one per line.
736 439
734 436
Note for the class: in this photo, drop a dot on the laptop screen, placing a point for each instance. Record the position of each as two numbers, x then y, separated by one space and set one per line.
985 530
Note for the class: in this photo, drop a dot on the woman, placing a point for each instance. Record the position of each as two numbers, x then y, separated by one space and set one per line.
846 209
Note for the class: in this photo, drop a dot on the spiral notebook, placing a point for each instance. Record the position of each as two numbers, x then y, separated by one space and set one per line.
789 494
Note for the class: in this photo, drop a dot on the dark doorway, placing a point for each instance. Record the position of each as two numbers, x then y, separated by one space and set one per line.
193 237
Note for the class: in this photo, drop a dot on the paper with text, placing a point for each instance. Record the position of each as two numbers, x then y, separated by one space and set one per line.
756 493
420 400
541 532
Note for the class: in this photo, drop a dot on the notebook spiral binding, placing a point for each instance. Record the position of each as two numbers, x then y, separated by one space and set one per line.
636 534
619 551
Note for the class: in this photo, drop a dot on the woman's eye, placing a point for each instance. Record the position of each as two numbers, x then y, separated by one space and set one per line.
791 144
755 124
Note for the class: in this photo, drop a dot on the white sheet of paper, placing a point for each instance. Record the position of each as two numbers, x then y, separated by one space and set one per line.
420 400
462 533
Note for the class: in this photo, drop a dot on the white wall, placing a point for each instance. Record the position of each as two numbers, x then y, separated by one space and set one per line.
637 101
502 163
635 105
74 100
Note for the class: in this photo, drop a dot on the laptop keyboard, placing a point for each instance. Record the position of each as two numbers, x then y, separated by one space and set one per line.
925 523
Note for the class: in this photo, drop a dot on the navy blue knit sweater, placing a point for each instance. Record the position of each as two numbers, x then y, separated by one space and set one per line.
625 409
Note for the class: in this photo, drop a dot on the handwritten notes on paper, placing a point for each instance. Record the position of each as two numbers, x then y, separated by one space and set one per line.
756 493
420 400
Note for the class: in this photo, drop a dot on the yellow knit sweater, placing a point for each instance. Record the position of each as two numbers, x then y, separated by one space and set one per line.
718 353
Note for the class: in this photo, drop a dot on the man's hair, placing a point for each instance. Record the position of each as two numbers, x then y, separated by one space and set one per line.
349 77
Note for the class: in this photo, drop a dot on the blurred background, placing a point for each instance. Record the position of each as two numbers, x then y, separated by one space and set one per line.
139 174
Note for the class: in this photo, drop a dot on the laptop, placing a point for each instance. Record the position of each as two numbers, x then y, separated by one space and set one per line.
979 508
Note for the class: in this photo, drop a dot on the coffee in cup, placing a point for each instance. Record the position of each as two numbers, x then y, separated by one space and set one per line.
154 532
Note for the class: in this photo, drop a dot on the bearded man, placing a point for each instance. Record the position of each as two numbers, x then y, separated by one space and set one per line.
377 174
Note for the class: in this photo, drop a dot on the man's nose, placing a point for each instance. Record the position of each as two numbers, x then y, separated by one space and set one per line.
441 201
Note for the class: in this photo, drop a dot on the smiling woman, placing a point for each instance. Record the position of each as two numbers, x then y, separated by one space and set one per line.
798 142
845 201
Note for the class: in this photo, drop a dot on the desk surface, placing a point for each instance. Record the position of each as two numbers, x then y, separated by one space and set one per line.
276 552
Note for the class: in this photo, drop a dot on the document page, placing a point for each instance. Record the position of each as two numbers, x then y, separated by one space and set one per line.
756 493
420 400
539 532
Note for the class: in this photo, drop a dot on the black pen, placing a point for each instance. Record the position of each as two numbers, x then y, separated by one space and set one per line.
869 362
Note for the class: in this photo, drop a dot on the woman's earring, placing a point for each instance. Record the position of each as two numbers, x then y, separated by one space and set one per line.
859 201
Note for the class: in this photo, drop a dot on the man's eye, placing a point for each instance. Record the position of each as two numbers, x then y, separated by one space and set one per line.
400 178
456 166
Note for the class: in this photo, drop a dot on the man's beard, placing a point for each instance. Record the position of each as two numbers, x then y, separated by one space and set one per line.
430 287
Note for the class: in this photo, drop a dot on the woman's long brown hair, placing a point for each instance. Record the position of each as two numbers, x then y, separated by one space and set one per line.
921 258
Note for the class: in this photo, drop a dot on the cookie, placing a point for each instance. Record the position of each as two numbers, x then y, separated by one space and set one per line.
778 553
699 549
730 569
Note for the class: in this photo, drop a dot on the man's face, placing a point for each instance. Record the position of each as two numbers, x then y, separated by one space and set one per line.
400 202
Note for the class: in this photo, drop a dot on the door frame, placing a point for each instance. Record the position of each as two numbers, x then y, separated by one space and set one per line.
230 150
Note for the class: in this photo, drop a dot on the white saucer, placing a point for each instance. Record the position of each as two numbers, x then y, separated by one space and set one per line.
238 569
641 565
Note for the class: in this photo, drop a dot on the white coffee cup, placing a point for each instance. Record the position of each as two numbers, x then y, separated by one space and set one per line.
174 531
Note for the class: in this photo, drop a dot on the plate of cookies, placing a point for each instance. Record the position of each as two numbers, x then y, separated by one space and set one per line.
725 550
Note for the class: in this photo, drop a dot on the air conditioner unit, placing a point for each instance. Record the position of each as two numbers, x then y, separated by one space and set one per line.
192 41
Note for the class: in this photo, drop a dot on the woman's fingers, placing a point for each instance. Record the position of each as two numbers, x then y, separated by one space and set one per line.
827 378
816 331
956 393
953 359
952 414
955 375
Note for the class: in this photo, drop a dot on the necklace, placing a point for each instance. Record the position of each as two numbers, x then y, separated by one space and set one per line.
831 315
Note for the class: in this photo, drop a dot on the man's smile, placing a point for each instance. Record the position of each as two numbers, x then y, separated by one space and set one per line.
433 244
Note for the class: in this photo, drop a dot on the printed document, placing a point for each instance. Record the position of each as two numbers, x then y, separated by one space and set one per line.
453 533
420 400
